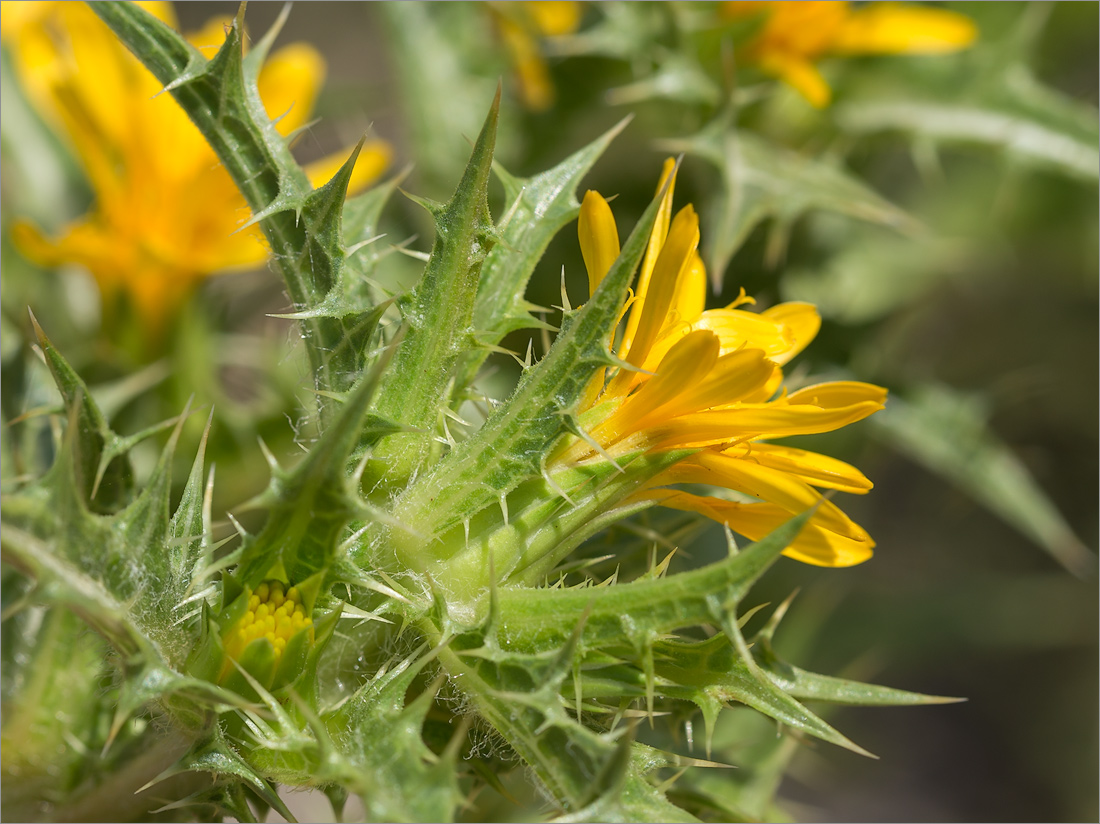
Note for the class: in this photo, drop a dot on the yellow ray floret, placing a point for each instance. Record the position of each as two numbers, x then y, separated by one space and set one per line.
710 382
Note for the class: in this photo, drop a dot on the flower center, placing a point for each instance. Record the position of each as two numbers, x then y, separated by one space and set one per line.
272 614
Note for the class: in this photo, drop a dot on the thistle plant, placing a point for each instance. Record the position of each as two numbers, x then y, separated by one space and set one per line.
422 612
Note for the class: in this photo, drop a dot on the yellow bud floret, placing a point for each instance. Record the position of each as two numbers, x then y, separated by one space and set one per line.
272 614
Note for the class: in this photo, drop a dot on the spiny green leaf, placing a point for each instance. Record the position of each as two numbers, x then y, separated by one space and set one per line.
632 799
189 532
438 316
569 759
626 614
62 583
536 209
548 517
383 757
510 445
809 686
102 488
311 504
140 536
217 757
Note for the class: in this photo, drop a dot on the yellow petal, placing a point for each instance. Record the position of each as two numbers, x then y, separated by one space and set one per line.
732 377
801 75
769 485
373 159
810 467
675 257
555 17
685 366
533 79
836 394
771 420
657 236
17 15
813 545
802 322
690 297
892 28
735 328
599 238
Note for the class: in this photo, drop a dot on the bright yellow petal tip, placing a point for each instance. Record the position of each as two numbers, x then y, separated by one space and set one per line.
598 237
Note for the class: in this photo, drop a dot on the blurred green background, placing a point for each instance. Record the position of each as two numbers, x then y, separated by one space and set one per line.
981 318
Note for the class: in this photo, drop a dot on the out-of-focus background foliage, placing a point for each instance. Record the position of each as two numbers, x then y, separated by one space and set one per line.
973 297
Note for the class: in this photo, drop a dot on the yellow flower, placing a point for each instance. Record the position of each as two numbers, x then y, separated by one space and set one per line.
166 213
796 34
712 381
521 26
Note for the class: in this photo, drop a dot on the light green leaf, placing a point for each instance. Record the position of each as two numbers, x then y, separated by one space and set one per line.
1037 135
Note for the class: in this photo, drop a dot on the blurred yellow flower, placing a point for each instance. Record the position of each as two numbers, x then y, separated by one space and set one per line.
521 26
796 34
166 213
713 381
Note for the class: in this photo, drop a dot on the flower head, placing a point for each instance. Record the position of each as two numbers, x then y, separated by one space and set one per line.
166 214
795 35
710 383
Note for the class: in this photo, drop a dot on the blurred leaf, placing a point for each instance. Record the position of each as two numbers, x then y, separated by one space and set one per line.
993 100
677 78
1032 125
761 181
946 432
874 274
